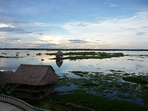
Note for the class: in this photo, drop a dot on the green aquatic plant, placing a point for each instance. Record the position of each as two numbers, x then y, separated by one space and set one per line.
92 89
145 94
137 79
10 57
97 103
102 84
88 55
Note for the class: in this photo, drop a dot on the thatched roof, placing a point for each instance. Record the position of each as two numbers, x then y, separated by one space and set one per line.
5 76
58 54
33 75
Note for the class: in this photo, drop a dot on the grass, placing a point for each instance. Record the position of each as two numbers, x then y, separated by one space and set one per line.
48 104
97 103
137 79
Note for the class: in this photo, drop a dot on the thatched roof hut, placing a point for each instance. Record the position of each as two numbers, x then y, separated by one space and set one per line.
5 76
34 75
59 54
35 81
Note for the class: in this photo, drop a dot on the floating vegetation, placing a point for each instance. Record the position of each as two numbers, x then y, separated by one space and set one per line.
38 54
79 73
109 85
144 93
137 79
10 57
91 55
88 55
143 81
27 54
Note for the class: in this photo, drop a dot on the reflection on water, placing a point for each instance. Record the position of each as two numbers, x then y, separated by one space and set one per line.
59 58
131 64
59 62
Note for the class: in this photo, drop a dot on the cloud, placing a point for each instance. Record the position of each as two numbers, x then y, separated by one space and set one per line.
78 41
12 39
45 45
14 22
117 32
141 33
78 24
81 24
13 29
52 39
9 42
8 39
2 25
111 26
40 33
11 25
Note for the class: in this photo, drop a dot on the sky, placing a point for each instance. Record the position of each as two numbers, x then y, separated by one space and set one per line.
90 24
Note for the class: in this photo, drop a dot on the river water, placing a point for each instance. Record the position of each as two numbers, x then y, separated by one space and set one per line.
134 63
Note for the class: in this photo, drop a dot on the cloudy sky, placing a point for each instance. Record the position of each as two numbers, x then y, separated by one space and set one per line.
74 24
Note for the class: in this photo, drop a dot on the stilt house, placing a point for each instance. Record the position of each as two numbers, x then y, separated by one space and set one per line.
34 81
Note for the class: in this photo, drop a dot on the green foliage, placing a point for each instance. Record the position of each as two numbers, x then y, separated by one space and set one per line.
145 94
7 89
80 53
79 73
98 103
91 55
137 79
101 85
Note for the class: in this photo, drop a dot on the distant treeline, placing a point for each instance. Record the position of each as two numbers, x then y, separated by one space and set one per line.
74 49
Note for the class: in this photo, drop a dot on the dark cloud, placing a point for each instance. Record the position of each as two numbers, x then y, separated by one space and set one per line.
12 29
140 33
8 41
22 23
2 43
40 33
8 20
12 39
127 28
81 24
144 27
45 45
43 40
78 41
